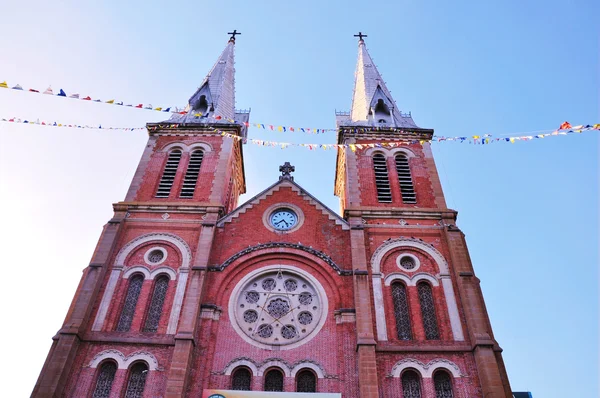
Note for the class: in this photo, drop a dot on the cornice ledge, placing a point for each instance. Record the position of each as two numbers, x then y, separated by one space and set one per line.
401 212
177 207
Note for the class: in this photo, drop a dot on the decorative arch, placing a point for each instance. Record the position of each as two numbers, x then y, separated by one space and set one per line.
206 147
390 152
123 362
426 370
410 281
149 275
126 250
392 244
274 363
444 276
308 365
241 362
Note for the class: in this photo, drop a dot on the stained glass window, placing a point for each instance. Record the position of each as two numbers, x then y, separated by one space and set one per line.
306 381
156 304
168 177
105 380
274 380
382 180
407 188
241 379
131 299
411 384
428 311
403 328
443 385
137 380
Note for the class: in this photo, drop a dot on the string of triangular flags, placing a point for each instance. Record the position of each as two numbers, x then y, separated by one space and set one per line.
565 129
170 109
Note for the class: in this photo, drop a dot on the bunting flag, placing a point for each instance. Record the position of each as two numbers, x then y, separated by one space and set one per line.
485 139
172 109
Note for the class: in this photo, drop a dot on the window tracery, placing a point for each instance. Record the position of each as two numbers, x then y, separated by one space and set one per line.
306 381
131 299
411 384
156 305
428 311
105 380
443 385
274 380
241 379
137 380
403 327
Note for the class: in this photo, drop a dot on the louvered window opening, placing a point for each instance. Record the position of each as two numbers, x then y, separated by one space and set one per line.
401 313
241 380
382 180
428 311
411 385
443 385
274 380
105 380
156 304
191 175
137 381
407 188
306 381
131 299
168 177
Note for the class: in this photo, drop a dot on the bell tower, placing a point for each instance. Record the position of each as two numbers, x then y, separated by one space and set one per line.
138 302
426 306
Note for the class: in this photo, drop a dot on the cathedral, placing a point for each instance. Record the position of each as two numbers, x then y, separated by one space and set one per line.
191 294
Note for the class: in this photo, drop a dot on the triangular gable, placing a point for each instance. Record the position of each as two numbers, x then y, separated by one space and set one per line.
274 188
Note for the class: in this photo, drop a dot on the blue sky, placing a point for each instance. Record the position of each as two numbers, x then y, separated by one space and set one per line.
529 210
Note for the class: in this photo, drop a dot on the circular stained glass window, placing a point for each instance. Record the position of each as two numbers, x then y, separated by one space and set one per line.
277 308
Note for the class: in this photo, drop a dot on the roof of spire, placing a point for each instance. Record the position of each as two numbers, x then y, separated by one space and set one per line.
369 90
216 95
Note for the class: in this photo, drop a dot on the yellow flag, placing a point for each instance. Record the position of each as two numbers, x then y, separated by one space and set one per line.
110 101
4 84
512 140
353 147
158 109
279 128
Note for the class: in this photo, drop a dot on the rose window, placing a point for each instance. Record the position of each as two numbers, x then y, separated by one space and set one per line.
277 308
407 262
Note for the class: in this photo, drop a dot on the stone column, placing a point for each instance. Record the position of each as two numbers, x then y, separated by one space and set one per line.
365 346
57 368
493 377
188 322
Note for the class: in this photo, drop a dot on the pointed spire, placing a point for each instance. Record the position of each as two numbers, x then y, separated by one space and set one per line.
372 102
216 95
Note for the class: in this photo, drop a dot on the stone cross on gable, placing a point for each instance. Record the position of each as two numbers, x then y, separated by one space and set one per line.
286 169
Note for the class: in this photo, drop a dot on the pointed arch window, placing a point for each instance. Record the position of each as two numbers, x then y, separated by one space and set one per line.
443 385
401 312
306 381
156 304
241 379
137 380
407 188
382 180
274 380
411 384
191 174
169 173
105 379
131 299
428 311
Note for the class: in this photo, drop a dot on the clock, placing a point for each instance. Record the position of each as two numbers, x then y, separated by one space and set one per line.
283 219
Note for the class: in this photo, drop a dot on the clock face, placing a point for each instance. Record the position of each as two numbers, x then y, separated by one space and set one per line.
283 219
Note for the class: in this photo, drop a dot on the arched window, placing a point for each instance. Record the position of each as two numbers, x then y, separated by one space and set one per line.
407 188
428 311
382 180
202 105
137 380
191 175
156 304
306 381
443 385
274 380
241 379
411 384
166 181
131 299
401 313
105 380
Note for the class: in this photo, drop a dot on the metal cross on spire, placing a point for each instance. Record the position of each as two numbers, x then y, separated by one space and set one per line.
286 169
233 34
360 36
